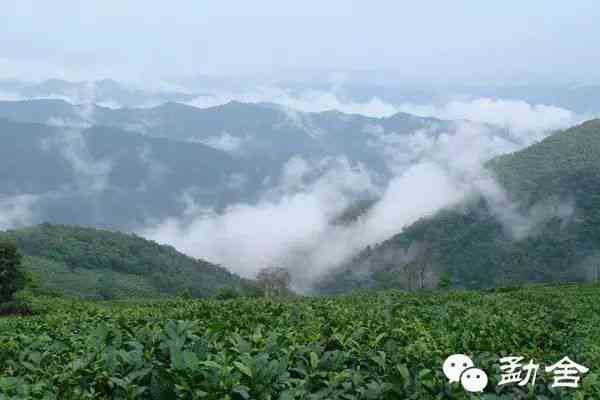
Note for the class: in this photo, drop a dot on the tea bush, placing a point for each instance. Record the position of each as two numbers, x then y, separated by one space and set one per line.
380 345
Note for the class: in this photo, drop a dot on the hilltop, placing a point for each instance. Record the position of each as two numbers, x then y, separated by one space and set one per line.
98 264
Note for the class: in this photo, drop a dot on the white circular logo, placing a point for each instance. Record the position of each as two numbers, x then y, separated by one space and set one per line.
455 365
474 380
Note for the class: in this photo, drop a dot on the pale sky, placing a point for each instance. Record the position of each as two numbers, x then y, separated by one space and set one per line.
457 40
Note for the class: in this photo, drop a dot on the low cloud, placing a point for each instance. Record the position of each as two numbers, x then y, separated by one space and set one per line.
157 171
10 96
518 222
518 116
309 100
283 228
67 123
84 97
225 142
291 225
17 211
91 175
300 120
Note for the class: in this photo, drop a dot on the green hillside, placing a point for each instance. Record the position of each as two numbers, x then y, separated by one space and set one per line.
97 264
471 247
555 165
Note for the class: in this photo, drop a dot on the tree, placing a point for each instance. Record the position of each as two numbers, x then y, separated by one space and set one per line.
445 281
12 276
226 293
423 269
107 287
274 280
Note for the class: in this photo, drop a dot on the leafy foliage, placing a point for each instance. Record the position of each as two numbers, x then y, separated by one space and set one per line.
385 345
12 277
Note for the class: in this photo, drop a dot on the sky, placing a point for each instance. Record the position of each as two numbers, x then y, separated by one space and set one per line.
445 41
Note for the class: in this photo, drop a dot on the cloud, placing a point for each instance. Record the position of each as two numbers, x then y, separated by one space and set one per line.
300 120
67 123
92 175
17 211
431 171
309 100
86 102
441 170
291 224
84 97
294 171
10 96
225 142
17 96
518 222
112 104
518 116
157 171
465 145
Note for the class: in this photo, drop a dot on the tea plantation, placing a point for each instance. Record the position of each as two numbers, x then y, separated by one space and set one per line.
380 345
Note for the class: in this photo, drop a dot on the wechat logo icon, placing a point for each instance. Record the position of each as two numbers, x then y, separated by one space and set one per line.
460 368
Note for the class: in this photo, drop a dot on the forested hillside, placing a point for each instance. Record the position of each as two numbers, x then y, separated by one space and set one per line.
97 264
111 178
553 236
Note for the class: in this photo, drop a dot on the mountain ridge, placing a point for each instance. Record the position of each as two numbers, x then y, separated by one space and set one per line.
555 187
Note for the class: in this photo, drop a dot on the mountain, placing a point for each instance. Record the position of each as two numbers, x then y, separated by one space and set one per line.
547 230
106 91
45 111
91 263
107 177
265 133
119 168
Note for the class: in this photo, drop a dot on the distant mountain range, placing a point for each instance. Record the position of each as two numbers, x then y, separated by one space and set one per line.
579 98
258 131
95 166
106 177
547 229
107 91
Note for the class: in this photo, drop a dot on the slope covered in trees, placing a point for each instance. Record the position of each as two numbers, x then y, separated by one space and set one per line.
97 264
267 134
553 235
110 178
